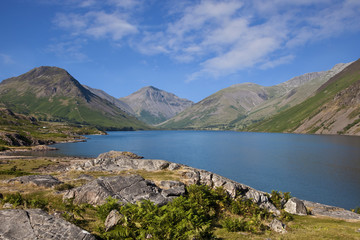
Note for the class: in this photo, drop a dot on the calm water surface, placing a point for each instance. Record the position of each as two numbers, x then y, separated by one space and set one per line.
324 169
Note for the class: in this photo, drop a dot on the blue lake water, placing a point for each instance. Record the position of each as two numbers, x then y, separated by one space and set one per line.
323 169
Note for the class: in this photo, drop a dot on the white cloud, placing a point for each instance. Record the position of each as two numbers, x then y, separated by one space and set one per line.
279 61
221 37
96 24
6 59
224 37
70 50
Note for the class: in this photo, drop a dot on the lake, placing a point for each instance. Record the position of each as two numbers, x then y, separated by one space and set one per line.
318 168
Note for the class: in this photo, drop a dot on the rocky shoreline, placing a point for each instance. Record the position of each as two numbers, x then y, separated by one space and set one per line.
128 187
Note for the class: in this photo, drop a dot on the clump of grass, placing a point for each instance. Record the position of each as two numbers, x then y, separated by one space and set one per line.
63 187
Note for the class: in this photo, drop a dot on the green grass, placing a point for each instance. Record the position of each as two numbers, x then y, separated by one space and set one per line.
67 109
10 168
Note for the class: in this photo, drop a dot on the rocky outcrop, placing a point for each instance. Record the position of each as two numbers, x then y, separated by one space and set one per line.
18 224
319 209
119 161
128 189
47 181
295 206
97 191
41 148
114 161
235 189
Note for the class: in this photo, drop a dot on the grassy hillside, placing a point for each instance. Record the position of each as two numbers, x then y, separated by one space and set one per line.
221 109
17 130
241 105
50 93
289 120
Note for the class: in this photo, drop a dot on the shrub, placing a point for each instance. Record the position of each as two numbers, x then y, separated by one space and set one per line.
104 210
234 225
356 210
15 199
277 197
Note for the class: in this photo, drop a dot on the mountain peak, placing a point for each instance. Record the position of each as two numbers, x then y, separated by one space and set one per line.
52 93
153 105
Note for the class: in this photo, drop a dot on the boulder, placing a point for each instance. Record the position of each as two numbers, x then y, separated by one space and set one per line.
172 188
114 161
40 148
295 206
112 219
128 189
47 181
37 224
277 226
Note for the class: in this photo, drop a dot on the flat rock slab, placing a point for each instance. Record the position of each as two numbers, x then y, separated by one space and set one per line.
128 189
18 224
38 180
318 209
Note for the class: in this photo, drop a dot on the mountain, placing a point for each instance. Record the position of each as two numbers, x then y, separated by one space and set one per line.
294 91
154 106
241 105
117 102
333 109
51 93
221 108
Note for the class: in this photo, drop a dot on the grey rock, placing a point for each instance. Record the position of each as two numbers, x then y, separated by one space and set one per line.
37 224
114 161
128 189
7 205
295 206
358 230
191 177
234 189
47 181
206 178
171 184
318 209
277 226
173 166
172 188
112 219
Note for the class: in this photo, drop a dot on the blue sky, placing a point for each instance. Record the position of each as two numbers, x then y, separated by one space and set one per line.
191 48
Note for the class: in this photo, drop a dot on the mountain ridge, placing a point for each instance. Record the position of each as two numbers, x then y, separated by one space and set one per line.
153 105
241 105
333 109
51 93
